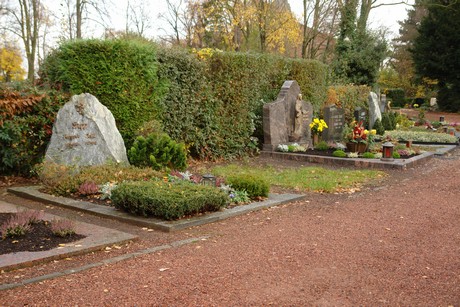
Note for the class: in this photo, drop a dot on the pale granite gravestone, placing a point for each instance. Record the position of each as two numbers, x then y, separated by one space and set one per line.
383 103
287 119
85 133
374 109
335 120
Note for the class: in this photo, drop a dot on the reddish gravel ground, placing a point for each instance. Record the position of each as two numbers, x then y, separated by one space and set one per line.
393 244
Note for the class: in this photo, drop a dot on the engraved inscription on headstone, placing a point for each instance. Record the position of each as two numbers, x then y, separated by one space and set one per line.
335 120
85 133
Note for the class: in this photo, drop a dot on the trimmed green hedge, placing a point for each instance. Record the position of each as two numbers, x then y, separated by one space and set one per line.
167 201
254 186
121 74
212 101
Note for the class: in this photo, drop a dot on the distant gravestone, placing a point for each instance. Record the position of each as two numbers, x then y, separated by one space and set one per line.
383 103
433 102
360 115
374 109
287 119
85 133
335 120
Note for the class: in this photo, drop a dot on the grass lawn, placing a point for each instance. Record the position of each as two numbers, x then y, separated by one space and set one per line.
315 179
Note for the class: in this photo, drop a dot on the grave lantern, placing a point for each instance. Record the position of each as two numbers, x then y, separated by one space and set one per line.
387 151
208 179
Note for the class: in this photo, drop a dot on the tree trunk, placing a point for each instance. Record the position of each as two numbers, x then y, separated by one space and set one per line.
79 11
305 38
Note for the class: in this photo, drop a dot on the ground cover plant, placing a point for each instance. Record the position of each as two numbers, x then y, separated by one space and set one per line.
304 178
421 136
64 180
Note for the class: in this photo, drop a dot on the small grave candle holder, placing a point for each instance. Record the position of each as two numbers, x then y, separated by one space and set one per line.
387 151
208 179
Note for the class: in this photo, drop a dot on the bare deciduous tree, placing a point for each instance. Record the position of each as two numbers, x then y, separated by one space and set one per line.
25 22
78 11
138 17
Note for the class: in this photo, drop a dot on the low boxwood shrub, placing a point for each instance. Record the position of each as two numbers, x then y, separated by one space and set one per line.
339 153
166 200
368 155
158 151
254 186
322 146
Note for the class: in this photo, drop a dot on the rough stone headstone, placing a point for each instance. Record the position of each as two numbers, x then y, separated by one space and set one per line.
84 133
433 101
374 109
383 103
360 115
335 120
287 119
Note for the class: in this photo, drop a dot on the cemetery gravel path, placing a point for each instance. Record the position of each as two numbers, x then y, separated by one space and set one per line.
393 244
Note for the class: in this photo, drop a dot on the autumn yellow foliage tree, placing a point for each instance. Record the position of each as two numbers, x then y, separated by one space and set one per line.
11 64
240 25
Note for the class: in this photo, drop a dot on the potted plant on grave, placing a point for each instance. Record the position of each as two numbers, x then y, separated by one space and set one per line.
317 127
358 138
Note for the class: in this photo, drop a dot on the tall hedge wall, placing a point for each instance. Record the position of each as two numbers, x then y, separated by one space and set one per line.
122 74
211 100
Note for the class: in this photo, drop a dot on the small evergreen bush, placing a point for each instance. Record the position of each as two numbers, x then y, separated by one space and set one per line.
396 155
339 153
254 186
166 200
379 127
322 146
158 151
368 155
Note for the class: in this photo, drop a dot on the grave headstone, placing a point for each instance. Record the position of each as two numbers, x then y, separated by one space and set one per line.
287 119
360 115
383 103
374 109
85 133
335 120
433 101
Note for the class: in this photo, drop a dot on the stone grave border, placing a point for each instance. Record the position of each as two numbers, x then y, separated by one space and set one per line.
400 164
33 193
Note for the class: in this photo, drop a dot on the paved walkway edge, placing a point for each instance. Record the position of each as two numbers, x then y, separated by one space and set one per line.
101 263
32 192
96 238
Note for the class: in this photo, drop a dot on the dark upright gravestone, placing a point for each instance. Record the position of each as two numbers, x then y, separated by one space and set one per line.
85 133
335 120
360 115
287 119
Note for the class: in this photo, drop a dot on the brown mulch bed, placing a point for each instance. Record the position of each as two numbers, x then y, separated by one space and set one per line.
38 238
